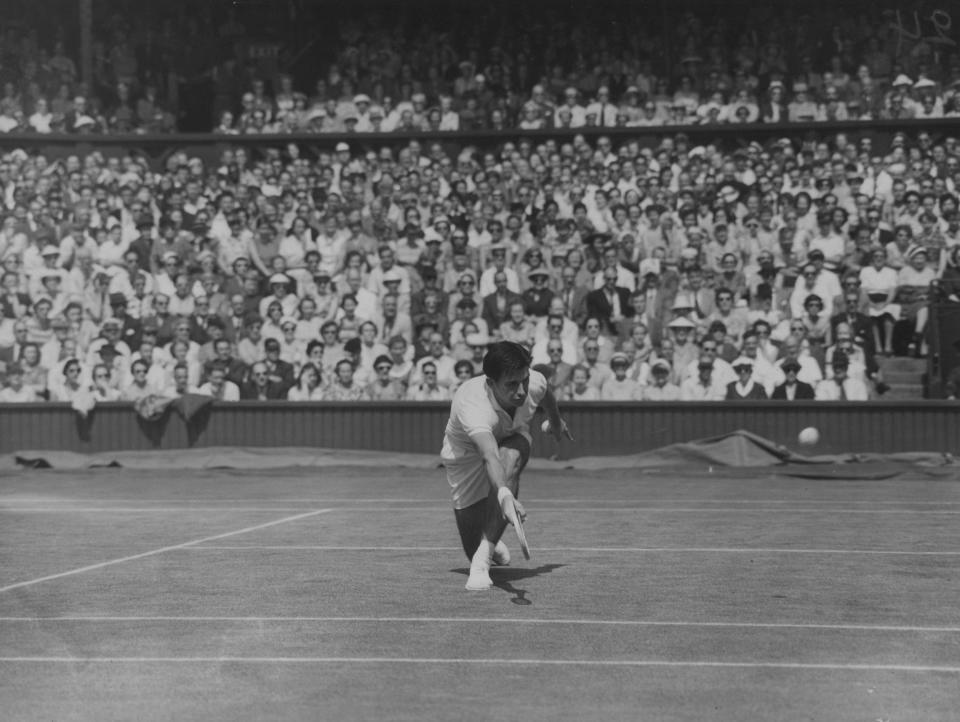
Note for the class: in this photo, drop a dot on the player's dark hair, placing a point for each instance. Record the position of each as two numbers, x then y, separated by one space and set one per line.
505 357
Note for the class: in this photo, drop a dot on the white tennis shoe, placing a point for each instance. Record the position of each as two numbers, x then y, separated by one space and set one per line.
479 579
501 554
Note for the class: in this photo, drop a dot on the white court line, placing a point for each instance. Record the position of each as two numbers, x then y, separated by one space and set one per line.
486 662
421 506
616 550
616 508
531 499
137 510
502 621
174 547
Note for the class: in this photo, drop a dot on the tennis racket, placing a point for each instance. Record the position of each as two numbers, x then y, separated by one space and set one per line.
517 522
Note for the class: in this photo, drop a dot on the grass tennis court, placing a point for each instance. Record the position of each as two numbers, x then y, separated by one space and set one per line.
337 594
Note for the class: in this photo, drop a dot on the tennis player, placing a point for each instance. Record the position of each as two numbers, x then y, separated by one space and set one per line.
485 447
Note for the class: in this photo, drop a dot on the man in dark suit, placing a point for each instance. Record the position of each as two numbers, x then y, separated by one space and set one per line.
236 370
131 328
279 372
878 236
495 308
11 354
610 303
638 302
260 387
574 296
791 389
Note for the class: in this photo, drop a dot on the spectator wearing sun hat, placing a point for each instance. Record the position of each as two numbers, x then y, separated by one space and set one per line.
745 387
792 389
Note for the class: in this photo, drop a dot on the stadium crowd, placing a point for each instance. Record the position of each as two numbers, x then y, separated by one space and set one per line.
485 66
673 272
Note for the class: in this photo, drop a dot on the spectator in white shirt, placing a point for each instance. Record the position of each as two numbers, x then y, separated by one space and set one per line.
841 387
217 385
703 387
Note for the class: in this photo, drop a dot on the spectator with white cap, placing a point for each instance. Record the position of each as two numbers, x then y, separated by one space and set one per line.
619 386
745 388
660 388
280 285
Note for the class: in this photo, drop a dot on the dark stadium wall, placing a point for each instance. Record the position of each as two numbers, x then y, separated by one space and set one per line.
600 428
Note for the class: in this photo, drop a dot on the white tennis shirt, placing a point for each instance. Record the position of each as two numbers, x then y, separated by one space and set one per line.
474 410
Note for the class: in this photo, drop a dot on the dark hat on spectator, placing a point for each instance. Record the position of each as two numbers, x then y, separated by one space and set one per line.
840 360
118 299
660 366
790 365
704 364
382 359
650 267
279 278
144 221
717 326
271 344
108 350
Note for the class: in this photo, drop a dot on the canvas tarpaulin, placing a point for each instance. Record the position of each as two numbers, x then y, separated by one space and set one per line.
739 450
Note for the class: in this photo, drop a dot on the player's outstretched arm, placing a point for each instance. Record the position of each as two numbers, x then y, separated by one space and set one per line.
558 426
487 444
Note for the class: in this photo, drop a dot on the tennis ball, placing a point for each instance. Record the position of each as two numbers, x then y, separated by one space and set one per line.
809 436
545 426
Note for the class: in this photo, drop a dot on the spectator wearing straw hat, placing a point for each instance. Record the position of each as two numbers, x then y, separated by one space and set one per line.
744 388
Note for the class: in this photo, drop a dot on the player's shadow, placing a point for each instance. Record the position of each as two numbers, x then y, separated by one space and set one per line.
504 577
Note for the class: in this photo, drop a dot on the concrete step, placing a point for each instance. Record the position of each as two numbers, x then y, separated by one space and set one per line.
903 392
902 364
902 377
